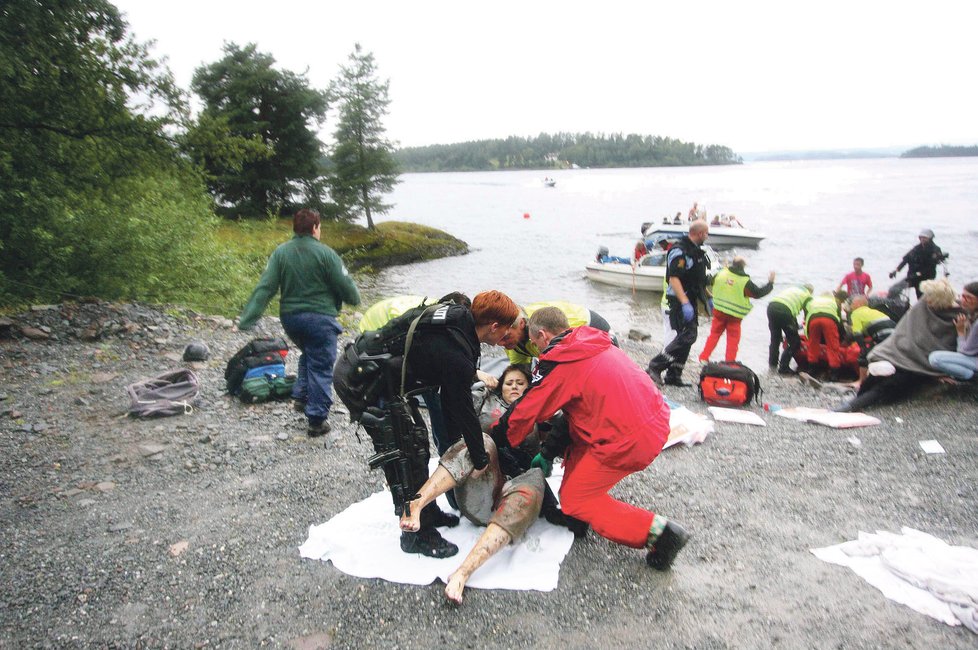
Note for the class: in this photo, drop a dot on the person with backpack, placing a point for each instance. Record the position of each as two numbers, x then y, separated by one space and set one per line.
732 291
782 319
438 348
313 285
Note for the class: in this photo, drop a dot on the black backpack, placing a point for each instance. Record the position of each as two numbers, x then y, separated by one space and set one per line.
257 352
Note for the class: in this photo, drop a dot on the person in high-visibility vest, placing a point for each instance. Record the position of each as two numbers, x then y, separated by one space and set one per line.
519 347
782 319
823 322
732 291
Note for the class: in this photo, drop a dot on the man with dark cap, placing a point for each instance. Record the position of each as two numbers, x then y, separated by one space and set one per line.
921 261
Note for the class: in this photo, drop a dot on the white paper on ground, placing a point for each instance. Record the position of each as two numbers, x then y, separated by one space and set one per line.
687 427
364 541
916 570
931 447
828 418
721 414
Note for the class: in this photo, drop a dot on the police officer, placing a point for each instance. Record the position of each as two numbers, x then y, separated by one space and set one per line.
686 265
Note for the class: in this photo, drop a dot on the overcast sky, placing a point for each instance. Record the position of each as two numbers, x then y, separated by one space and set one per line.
749 74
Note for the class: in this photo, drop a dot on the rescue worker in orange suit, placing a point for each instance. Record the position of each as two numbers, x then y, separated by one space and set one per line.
732 291
617 424
823 323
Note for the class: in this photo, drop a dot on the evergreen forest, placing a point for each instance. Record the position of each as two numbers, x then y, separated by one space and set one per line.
563 151
943 151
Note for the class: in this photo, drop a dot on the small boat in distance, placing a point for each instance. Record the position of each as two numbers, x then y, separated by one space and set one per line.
720 236
549 182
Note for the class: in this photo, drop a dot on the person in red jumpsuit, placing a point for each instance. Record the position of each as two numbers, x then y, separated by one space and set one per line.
618 423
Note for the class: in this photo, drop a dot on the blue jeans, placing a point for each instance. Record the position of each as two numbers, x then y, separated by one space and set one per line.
315 336
954 364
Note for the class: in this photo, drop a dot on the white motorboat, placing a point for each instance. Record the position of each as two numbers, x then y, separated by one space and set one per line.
549 182
720 236
646 275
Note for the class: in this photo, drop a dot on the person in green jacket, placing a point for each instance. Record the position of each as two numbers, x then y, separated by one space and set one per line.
782 318
313 284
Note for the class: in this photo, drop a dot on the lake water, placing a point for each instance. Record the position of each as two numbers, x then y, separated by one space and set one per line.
817 216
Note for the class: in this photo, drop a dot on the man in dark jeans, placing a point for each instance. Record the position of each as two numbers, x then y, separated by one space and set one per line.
686 265
314 284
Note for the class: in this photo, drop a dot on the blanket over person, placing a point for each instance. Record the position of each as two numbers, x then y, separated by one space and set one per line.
922 330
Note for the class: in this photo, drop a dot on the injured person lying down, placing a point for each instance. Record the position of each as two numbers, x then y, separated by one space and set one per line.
507 508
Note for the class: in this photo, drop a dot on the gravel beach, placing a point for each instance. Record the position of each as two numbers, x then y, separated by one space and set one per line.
182 532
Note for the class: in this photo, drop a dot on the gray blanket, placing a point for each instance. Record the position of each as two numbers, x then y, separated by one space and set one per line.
921 331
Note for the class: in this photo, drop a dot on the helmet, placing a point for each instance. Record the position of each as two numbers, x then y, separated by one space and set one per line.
196 351
926 232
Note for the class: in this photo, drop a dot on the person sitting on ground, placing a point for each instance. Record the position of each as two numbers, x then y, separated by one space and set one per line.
869 327
823 326
963 362
856 282
617 421
901 362
506 507
732 291
782 321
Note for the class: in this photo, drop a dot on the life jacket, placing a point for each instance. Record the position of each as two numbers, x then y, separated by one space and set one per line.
728 294
821 307
794 298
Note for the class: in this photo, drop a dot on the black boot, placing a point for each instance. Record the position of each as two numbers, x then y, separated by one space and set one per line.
665 548
427 541
434 517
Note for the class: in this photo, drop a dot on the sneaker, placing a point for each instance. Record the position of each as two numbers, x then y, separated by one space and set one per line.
665 549
429 542
318 429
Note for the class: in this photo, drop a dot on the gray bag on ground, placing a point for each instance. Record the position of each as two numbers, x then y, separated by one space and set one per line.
168 394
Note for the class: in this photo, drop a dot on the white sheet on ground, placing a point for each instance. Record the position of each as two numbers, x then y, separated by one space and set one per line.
364 541
828 418
739 416
916 570
686 427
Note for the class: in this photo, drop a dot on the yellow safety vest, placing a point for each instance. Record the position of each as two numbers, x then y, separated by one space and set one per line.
577 315
728 294
793 298
865 316
381 313
821 306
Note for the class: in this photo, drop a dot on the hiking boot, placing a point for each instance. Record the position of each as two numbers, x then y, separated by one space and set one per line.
656 376
677 381
299 405
439 518
429 542
664 549
317 429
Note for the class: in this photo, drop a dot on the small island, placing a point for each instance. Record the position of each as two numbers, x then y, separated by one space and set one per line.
943 151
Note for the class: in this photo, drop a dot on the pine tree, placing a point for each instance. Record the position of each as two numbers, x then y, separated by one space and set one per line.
363 162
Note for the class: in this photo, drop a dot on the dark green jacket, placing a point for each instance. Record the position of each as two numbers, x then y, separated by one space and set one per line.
310 276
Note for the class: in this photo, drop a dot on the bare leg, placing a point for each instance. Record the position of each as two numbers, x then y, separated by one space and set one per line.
439 483
494 538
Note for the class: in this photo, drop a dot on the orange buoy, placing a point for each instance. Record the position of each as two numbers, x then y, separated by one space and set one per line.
526 215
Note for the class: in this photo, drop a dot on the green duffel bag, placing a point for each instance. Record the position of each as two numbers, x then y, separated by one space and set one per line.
265 388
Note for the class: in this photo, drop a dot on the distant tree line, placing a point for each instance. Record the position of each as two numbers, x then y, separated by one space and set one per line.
563 150
943 151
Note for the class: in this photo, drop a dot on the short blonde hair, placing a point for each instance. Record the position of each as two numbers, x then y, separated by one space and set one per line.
938 294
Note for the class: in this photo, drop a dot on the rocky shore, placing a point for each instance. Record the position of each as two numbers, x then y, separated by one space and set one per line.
182 532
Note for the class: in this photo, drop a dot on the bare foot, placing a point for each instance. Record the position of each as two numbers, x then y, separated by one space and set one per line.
951 381
412 522
455 587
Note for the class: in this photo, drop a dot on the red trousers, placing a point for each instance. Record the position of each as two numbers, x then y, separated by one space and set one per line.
584 494
723 323
824 330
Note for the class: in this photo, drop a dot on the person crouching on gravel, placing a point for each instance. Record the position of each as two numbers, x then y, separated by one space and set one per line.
618 424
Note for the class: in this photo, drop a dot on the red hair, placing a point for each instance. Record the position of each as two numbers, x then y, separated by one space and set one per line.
304 221
494 307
